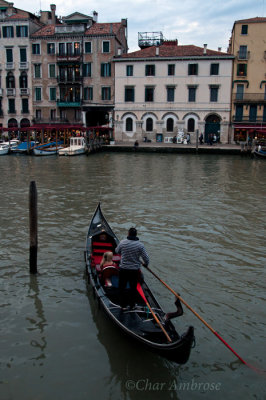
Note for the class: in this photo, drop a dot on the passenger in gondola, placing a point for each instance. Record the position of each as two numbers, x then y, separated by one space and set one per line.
107 273
133 255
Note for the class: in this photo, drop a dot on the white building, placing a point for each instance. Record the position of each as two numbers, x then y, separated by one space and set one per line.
162 90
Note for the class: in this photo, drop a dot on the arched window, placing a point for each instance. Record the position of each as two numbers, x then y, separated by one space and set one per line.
170 125
12 123
149 125
129 124
10 81
191 125
23 80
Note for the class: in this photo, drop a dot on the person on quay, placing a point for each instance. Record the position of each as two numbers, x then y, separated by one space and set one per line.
133 254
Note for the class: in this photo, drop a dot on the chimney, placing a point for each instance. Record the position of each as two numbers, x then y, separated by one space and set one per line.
219 49
95 16
205 49
119 51
157 51
53 8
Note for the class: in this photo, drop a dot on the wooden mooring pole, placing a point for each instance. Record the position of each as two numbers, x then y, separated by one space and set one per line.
33 227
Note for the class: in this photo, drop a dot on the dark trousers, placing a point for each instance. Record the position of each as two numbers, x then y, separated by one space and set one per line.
128 297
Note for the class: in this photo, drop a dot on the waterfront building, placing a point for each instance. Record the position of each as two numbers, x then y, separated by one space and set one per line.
247 44
65 73
165 88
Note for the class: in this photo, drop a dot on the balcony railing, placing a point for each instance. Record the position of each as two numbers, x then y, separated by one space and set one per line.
11 92
24 92
247 119
69 79
249 97
23 65
10 65
243 55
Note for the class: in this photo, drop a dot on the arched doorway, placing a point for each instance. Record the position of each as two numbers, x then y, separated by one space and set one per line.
212 127
12 123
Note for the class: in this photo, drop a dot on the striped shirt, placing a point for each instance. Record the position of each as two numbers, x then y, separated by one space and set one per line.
132 251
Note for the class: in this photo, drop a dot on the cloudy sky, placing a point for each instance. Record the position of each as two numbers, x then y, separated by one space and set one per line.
190 21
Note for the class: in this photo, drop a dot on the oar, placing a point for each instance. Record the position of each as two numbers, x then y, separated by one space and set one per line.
198 316
139 289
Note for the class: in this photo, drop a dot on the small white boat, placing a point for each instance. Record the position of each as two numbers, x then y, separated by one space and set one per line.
77 146
50 151
4 148
13 144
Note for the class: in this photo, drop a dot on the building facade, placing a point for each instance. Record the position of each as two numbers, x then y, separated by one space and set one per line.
57 71
164 89
247 44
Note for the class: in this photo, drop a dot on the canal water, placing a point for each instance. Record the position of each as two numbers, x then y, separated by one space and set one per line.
202 220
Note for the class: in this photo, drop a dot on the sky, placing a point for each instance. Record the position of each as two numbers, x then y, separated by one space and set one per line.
189 21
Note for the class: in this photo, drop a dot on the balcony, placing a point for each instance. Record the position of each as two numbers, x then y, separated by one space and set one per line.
11 92
69 79
10 66
68 104
23 65
25 92
248 119
249 98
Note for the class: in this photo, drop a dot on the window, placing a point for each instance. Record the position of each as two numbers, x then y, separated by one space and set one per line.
76 48
52 94
253 113
239 92
241 69
129 124
129 70
191 125
106 69
36 48
264 114
214 69
25 106
23 81
23 55
239 112
38 94
10 81
129 94
149 125
22 31
106 46
214 93
37 70
192 94
8 31
11 106
69 49
170 125
9 55
53 115
244 29
61 49
106 93
88 93
86 69
50 48
170 93
171 69
243 53
52 71
192 69
38 114
87 47
150 70
149 94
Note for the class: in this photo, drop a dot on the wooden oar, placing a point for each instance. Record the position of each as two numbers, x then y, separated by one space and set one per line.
199 317
139 289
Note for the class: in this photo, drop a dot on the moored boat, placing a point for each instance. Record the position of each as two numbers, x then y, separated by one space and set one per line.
77 146
4 148
47 149
260 153
150 327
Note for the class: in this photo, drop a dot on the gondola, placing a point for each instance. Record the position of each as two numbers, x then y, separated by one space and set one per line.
260 154
158 335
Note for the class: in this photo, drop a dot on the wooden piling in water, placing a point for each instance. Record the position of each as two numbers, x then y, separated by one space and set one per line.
33 227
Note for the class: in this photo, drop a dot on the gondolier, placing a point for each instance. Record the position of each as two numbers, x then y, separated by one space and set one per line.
133 255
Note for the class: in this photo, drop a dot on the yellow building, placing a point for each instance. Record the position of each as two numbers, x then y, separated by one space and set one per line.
248 45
